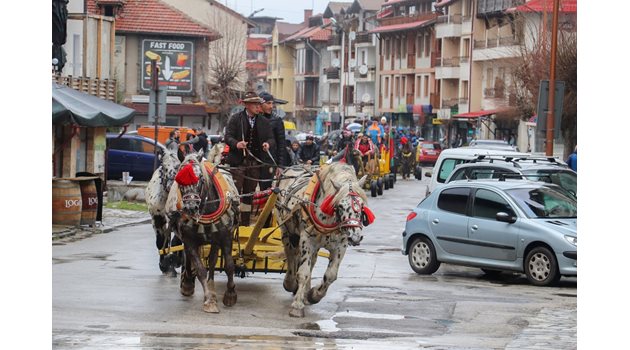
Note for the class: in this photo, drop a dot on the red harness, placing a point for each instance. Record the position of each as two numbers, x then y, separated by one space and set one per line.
327 208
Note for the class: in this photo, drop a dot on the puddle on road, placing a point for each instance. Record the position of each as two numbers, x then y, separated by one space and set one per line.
359 300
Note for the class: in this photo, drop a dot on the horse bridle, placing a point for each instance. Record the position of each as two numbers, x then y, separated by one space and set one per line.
356 206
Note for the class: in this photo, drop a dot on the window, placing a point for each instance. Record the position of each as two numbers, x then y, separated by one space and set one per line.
386 87
427 44
397 86
489 77
419 45
446 168
108 10
387 43
363 57
454 200
487 204
426 86
464 92
403 86
418 85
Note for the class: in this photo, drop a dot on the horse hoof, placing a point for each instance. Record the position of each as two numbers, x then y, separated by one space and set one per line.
211 308
310 297
296 312
290 287
187 289
229 299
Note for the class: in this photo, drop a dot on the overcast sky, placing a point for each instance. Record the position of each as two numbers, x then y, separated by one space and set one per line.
291 11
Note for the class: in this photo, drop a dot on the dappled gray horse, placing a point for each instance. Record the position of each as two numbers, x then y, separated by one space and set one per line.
335 220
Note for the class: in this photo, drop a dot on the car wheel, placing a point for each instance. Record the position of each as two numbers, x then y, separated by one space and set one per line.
373 188
541 267
422 256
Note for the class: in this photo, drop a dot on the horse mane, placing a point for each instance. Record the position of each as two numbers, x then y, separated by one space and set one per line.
344 175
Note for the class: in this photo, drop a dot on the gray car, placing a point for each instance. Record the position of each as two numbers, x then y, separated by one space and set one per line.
496 225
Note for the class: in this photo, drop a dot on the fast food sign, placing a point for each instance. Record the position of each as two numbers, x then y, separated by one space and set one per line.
175 62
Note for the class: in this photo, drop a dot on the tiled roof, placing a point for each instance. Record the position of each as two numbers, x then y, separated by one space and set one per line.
154 16
566 6
256 44
401 27
313 33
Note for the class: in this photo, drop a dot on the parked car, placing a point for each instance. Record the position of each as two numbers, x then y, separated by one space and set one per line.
451 157
428 152
510 225
131 153
547 169
493 144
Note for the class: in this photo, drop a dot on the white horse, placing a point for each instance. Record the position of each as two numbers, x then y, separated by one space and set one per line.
156 193
334 221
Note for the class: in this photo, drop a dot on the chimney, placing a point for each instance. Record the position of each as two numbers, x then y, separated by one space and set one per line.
307 14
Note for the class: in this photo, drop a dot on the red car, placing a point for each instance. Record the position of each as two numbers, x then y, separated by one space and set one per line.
428 152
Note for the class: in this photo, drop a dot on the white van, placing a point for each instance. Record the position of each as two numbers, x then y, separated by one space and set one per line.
451 157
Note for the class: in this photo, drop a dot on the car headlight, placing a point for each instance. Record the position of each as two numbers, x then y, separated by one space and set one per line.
571 239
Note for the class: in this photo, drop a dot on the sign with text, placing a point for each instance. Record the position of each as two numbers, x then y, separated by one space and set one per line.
175 62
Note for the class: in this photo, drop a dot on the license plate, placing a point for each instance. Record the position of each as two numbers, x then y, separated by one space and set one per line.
431 153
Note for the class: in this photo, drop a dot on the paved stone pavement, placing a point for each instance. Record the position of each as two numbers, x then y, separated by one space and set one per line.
112 219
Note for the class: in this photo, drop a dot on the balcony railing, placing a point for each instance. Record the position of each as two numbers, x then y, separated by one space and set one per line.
463 100
450 62
489 6
450 19
464 59
364 37
334 41
101 88
407 18
496 42
332 73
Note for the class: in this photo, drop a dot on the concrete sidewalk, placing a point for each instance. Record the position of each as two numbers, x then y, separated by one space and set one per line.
112 219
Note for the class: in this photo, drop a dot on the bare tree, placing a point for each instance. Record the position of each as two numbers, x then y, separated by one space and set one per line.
226 64
533 65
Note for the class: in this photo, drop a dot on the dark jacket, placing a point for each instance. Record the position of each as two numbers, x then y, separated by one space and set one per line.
277 127
238 129
309 152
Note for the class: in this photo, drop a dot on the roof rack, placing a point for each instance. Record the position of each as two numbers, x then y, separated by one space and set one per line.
515 160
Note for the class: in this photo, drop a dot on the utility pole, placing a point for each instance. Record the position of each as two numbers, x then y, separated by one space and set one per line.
552 80
341 76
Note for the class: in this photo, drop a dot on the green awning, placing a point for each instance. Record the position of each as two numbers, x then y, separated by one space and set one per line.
70 106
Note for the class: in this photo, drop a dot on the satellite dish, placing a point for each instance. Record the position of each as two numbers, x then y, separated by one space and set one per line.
335 63
353 35
353 63
366 97
363 69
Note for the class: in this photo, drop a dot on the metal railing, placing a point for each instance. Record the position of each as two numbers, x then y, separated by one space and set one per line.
496 42
364 37
101 88
332 73
450 19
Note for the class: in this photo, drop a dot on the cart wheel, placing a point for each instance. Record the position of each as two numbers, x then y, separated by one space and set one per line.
386 182
380 185
391 180
373 188
418 172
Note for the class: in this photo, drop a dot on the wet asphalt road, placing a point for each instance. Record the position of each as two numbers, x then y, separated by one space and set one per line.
108 293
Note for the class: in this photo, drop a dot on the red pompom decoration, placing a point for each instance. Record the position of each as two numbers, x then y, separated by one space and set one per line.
326 206
369 214
186 176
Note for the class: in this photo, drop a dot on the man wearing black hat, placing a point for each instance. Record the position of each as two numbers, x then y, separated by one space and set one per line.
309 152
277 126
248 136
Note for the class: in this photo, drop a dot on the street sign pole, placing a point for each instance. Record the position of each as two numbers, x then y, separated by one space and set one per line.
156 88
552 80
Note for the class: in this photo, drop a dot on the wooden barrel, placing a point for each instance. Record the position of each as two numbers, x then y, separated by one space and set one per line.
89 202
66 203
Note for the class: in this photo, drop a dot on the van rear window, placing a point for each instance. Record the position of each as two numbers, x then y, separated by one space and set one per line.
447 167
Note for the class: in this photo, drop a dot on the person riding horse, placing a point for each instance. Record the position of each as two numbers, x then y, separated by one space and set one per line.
250 138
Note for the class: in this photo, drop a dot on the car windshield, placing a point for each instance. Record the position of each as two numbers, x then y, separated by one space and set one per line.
563 178
544 202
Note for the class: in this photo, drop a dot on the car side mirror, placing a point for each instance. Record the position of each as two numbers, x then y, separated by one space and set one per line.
505 217
427 174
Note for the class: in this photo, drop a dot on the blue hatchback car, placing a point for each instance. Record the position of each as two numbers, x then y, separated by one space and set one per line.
132 153
496 225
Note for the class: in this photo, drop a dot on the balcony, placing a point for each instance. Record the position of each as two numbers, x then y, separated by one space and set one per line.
332 74
448 68
447 103
490 7
369 76
365 38
334 43
496 48
407 18
101 88
448 26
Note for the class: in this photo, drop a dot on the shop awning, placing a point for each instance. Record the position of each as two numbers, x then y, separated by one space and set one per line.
402 27
478 113
70 106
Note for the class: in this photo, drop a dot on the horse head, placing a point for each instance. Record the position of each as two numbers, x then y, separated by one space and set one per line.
191 181
345 199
